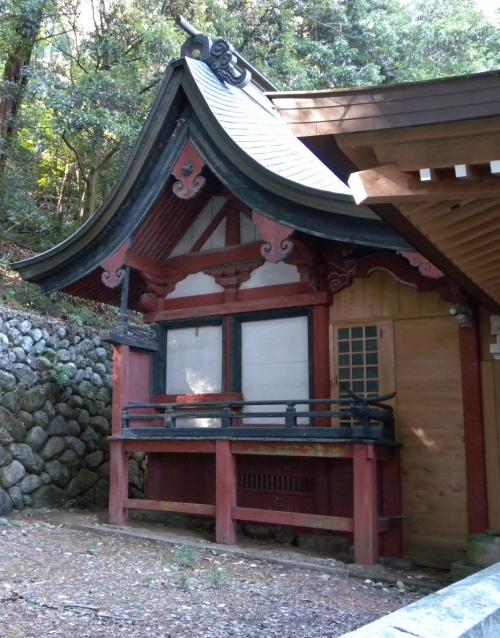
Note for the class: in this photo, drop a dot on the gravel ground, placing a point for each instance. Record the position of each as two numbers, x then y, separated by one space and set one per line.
61 582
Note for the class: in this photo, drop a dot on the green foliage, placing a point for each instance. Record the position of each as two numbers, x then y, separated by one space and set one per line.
25 296
186 555
219 577
91 83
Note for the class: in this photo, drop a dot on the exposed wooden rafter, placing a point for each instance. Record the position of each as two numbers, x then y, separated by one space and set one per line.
389 183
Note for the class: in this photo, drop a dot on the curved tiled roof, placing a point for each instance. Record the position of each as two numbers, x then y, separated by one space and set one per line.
250 149
256 127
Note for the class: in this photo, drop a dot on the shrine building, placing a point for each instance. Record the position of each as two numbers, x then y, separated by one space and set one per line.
318 276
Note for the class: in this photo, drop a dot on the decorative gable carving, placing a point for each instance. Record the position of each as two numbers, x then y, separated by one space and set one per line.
187 171
277 245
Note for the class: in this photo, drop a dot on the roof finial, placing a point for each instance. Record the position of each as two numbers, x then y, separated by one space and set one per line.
218 54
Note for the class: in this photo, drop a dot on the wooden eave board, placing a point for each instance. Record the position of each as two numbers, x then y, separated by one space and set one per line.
390 106
469 240
193 104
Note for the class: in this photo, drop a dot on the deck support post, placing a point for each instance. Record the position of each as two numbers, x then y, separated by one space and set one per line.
365 504
225 493
118 489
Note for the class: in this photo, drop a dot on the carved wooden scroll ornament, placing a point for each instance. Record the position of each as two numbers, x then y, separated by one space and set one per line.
114 272
187 171
340 273
277 245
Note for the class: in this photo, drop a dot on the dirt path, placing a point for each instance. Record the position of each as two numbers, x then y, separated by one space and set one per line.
60 582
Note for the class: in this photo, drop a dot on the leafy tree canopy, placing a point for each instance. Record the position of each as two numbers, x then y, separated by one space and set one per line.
91 69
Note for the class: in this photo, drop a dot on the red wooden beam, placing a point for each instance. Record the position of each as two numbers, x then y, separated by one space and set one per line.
277 448
365 505
294 519
292 301
154 445
200 509
225 493
475 461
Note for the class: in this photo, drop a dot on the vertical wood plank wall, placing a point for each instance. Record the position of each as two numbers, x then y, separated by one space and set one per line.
428 407
490 378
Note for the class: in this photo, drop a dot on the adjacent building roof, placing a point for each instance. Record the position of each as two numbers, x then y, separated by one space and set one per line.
426 157
390 106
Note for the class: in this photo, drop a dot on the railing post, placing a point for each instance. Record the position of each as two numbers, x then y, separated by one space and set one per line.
227 416
225 493
290 415
169 419
125 422
365 504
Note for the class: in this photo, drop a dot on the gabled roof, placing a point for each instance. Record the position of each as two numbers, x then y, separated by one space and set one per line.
246 146
395 136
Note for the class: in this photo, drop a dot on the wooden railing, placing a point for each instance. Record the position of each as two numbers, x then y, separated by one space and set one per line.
353 418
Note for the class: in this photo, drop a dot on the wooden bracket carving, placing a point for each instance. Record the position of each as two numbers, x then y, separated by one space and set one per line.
161 286
277 245
231 276
114 272
424 266
149 301
187 171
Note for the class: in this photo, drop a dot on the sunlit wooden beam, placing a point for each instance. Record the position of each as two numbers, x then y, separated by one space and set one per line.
389 184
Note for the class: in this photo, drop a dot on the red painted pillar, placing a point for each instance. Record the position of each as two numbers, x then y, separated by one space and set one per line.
365 504
225 493
475 461
118 484
121 365
321 359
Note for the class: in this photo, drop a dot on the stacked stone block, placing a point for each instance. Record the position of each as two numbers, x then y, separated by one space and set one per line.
55 415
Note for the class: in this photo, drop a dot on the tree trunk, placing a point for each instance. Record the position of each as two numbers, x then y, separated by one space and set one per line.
15 74
91 191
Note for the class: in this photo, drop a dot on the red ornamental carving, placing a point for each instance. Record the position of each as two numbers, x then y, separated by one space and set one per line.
187 171
340 273
113 267
425 268
277 246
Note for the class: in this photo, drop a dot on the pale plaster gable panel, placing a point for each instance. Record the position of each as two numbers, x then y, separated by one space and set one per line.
195 231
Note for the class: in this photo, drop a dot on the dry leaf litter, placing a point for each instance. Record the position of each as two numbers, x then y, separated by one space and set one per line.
58 582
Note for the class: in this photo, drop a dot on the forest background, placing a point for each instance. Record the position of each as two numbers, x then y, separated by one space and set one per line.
79 77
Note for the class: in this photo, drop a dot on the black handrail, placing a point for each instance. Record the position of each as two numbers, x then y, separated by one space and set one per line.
355 417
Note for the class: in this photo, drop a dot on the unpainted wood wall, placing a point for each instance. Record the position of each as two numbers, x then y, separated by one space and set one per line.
419 359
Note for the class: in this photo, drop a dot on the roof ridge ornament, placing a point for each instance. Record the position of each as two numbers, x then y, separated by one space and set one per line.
219 56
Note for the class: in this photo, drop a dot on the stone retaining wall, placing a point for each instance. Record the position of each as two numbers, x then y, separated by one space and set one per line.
55 415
